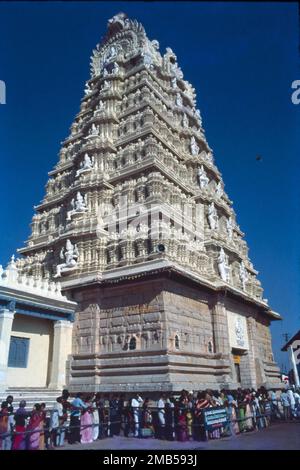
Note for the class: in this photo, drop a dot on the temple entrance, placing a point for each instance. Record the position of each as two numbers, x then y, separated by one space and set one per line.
236 355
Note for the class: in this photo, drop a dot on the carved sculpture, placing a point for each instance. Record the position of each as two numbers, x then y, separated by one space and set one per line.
223 267
69 255
194 147
243 275
212 216
202 177
78 205
85 165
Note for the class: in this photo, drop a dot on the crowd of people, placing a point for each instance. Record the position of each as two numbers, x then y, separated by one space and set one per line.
84 419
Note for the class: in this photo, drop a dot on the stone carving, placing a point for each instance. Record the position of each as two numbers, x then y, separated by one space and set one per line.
142 230
120 154
78 205
112 54
178 99
185 121
223 267
106 85
94 131
198 117
194 147
120 19
115 68
174 83
243 275
87 89
229 226
202 177
100 108
69 255
239 332
86 165
219 189
213 217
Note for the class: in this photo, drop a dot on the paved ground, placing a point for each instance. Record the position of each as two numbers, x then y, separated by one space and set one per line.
282 436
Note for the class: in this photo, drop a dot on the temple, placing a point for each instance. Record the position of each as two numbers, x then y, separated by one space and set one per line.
137 227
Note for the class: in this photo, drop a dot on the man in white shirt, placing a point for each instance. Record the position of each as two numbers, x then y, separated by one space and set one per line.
55 421
291 399
161 415
136 403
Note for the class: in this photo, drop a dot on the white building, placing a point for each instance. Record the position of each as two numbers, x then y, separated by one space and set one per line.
35 331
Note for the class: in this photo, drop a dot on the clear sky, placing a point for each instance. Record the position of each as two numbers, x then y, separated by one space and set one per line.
240 57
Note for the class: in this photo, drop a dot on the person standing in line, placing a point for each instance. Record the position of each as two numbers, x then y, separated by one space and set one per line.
95 417
77 405
292 402
10 400
114 416
286 404
86 422
56 421
5 436
161 415
19 441
35 426
121 412
136 402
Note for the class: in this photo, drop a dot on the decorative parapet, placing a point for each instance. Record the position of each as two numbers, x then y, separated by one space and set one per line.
12 278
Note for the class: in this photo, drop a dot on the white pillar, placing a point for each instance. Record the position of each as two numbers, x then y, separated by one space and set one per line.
6 321
296 375
62 347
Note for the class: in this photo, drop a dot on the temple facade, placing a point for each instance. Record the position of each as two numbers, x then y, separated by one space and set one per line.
139 230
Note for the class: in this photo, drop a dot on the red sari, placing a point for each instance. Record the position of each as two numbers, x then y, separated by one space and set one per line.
35 424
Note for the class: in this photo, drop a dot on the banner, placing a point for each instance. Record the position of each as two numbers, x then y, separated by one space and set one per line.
214 418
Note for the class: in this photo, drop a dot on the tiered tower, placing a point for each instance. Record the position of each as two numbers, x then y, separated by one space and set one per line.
138 228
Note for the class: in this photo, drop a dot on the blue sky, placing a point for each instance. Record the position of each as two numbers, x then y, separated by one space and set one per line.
240 57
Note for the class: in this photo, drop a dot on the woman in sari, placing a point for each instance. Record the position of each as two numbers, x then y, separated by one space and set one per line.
182 428
95 418
86 423
248 424
19 442
201 404
35 426
147 421
43 434
4 426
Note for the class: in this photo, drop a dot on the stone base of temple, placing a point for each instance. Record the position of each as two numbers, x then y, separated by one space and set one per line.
165 333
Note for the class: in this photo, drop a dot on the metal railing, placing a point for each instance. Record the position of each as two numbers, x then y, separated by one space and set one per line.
131 423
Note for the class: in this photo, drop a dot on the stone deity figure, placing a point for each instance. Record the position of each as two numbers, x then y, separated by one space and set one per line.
212 216
194 146
185 121
78 205
94 130
116 68
202 177
198 116
239 332
85 165
106 85
112 54
99 108
219 189
174 82
142 230
229 226
70 256
88 89
223 266
178 99
243 275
